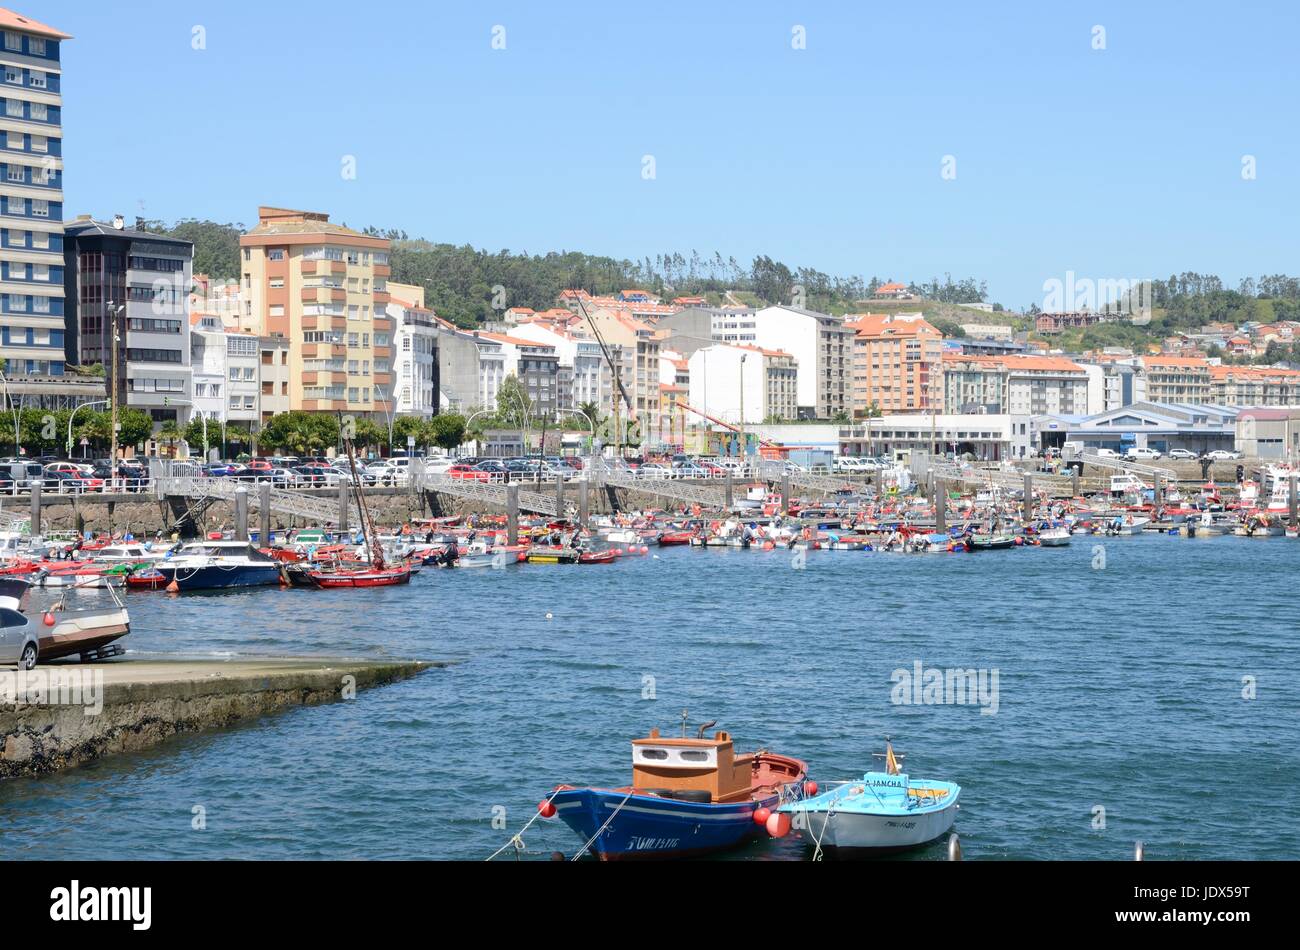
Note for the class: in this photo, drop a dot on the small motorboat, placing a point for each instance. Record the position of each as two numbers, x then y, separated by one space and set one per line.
89 633
881 812
1121 526
547 554
674 538
608 556
687 797
990 542
1057 537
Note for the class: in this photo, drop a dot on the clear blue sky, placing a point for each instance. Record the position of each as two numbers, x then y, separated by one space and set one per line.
1117 163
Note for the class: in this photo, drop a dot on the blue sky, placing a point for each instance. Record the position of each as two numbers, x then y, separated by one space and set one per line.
1122 162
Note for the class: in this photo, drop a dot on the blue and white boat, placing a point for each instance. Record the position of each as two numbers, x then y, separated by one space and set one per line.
687 797
213 565
884 811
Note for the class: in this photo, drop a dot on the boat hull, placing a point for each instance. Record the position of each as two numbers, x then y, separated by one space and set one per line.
214 577
648 827
848 832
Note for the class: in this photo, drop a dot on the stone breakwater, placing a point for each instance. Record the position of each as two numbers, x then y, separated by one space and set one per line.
60 716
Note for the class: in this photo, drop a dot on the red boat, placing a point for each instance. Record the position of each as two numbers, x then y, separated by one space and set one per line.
148 579
597 557
669 538
386 577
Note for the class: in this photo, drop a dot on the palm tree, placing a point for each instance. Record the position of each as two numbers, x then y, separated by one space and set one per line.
169 433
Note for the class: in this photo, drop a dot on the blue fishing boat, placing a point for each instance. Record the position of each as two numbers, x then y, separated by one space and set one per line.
211 565
687 797
881 812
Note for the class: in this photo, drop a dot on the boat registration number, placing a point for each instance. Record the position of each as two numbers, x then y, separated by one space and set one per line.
653 844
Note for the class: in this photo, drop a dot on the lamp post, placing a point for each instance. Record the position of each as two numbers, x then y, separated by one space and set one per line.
98 402
743 444
113 313
5 382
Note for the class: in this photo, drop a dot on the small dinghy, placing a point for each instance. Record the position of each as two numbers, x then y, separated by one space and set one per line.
688 796
884 811
608 556
990 542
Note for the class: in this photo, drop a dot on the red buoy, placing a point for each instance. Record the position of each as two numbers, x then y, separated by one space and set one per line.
810 788
546 809
761 815
769 546
49 619
778 825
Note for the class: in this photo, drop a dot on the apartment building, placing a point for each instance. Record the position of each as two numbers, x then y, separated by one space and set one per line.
32 280
634 346
1177 379
208 366
897 363
415 345
1017 384
323 288
822 348
584 376
1254 386
137 283
274 376
724 376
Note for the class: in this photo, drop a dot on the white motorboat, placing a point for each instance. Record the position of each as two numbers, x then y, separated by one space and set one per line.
1054 537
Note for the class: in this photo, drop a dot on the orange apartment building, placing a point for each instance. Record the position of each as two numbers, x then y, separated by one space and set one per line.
897 363
324 289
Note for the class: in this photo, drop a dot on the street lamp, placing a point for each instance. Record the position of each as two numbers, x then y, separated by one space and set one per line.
5 383
98 402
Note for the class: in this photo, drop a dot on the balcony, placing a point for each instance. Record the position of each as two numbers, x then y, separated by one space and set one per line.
383 270
322 267
323 350
324 377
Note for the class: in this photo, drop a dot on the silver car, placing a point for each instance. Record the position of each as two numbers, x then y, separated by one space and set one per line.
19 642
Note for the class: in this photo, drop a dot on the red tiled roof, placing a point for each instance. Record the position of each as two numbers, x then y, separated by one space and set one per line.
10 20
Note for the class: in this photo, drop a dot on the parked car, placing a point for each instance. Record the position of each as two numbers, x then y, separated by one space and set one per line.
1223 455
20 643
61 480
468 473
1105 453
1181 454
1142 453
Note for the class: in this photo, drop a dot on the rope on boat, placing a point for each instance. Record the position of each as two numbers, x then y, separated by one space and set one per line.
517 840
601 830
826 823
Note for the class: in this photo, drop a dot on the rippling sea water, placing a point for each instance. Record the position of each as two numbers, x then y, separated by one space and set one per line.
1119 688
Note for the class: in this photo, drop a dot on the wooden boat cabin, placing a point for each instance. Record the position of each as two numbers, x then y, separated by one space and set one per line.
700 767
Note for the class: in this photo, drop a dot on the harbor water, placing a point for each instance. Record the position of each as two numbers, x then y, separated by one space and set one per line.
1147 688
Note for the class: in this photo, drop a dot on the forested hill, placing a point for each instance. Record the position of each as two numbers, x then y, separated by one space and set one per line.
460 281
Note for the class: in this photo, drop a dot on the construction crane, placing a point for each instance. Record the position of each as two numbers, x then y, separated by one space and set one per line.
767 443
613 368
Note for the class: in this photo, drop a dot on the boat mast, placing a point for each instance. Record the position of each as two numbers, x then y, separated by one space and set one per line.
367 527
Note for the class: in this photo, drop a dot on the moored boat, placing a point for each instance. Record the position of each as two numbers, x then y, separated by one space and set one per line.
881 812
687 797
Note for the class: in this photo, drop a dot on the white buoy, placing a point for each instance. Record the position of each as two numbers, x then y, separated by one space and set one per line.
954 847
550 616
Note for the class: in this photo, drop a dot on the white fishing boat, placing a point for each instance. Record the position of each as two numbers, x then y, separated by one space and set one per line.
1206 526
1133 524
1057 537
882 811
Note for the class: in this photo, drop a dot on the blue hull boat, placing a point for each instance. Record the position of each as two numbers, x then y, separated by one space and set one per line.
217 577
648 826
687 797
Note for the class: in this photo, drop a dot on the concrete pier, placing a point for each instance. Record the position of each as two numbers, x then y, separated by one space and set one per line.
241 514
512 514
142 703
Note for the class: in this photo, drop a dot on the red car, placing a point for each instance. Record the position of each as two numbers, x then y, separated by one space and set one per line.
468 472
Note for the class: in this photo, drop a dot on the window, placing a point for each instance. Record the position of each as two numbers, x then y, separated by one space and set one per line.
15 205
16 173
277 310
15 140
275 254
17 303
276 283
36 78
13 74
40 111
40 304
39 143
35 47
40 272
40 208
13 42
14 108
